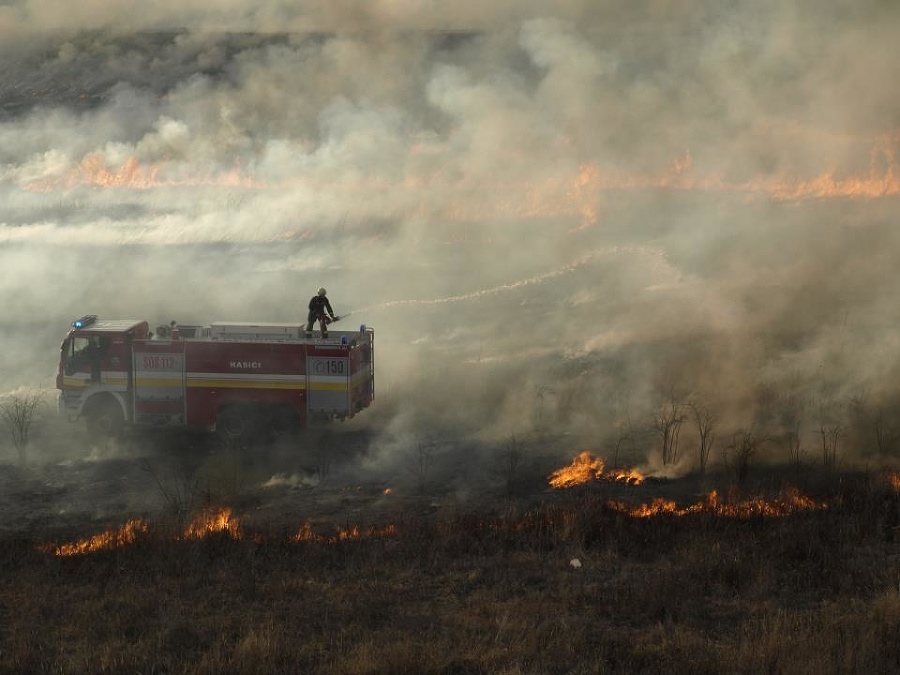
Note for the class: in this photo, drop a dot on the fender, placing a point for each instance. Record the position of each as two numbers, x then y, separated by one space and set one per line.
89 399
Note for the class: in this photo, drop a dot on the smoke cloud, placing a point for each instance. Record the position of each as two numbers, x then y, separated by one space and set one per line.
556 219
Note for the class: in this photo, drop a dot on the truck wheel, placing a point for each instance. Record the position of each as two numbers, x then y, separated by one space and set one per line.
105 419
282 421
232 424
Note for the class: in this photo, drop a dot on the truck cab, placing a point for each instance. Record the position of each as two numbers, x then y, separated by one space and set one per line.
94 376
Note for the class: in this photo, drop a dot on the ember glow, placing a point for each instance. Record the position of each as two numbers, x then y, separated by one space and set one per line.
586 468
307 534
893 479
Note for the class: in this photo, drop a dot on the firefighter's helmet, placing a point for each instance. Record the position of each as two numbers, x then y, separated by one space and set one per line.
322 291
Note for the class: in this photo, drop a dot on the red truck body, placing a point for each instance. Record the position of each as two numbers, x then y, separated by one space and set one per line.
233 378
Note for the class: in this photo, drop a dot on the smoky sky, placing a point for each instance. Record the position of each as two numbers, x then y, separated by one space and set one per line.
553 216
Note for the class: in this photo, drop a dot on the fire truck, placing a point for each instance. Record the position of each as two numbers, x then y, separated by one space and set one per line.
235 379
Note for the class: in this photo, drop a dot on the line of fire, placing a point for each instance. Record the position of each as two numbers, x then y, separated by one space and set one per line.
564 194
585 470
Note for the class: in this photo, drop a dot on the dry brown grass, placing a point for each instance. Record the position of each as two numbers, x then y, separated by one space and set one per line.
813 592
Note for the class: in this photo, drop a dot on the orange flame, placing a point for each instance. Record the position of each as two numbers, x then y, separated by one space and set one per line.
564 195
93 171
206 523
790 501
585 468
213 521
111 539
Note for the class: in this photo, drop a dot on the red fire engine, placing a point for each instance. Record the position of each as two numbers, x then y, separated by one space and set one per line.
233 378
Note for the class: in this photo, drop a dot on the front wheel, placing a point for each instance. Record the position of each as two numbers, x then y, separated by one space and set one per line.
105 419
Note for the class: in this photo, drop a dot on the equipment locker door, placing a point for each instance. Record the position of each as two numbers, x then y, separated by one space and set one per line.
328 385
159 383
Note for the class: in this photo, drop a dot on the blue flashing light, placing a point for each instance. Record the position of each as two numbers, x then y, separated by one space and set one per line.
84 321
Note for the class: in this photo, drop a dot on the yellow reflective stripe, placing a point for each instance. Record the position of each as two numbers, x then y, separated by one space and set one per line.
84 379
246 384
144 382
229 382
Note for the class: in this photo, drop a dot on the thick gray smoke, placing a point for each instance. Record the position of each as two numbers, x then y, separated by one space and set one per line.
557 216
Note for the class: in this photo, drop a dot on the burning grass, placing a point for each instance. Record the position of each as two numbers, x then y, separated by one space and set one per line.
111 539
209 522
729 583
222 521
586 468
213 521
788 502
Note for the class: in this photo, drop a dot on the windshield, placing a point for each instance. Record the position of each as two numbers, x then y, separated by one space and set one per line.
77 350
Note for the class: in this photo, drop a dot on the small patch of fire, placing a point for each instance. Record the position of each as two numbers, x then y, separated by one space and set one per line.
105 541
790 501
308 535
586 468
213 521
206 523
893 479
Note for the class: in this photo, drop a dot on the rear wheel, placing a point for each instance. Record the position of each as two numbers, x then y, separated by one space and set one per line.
282 421
233 423
256 425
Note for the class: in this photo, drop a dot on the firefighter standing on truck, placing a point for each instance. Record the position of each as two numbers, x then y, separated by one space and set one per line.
319 310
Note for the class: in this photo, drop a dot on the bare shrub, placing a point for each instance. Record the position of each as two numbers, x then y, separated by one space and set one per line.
667 424
792 440
830 436
625 433
421 459
181 493
18 412
511 458
740 452
541 392
885 432
706 424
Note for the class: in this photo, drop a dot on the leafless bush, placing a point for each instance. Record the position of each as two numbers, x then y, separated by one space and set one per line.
421 459
830 436
740 452
181 493
667 423
19 411
885 431
706 424
792 440
541 392
511 458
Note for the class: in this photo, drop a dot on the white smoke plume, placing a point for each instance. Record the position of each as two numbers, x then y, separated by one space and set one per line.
555 217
